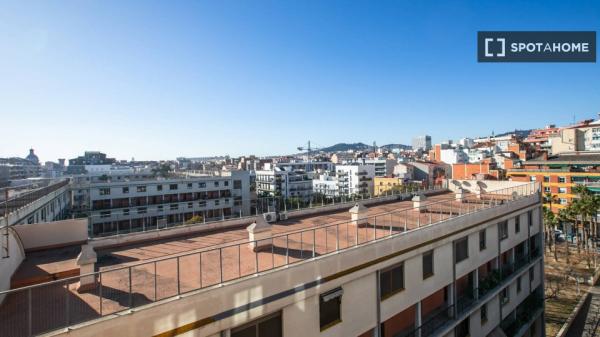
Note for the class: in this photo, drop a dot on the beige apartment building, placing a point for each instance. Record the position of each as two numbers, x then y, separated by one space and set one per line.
464 261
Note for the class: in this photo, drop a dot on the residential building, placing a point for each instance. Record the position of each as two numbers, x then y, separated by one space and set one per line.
558 174
326 185
431 173
405 272
284 183
485 169
387 185
355 179
421 143
127 203
405 171
90 158
383 166
342 157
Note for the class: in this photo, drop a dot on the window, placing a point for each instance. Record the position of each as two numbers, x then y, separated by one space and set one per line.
546 179
391 280
269 326
428 264
105 214
517 224
504 298
562 179
105 191
173 187
160 208
189 185
531 274
226 183
532 178
125 190
216 202
237 184
126 212
546 189
330 308
159 187
530 218
142 210
462 249
173 206
562 190
482 243
216 184
518 284
484 314
563 201
202 185
141 188
202 203
190 204
503 229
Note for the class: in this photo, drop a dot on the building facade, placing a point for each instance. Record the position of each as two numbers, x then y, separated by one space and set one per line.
421 143
128 205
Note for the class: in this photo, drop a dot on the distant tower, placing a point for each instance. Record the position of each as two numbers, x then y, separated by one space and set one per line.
32 157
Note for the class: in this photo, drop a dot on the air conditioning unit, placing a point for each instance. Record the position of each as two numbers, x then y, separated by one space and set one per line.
283 216
270 216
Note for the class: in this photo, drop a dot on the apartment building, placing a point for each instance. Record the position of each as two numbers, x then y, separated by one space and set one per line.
385 185
281 182
559 174
383 166
326 185
139 202
457 266
421 143
355 179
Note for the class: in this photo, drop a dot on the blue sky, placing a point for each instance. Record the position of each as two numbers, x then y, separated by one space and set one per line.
157 80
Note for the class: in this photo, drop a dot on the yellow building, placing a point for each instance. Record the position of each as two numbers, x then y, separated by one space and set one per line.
384 185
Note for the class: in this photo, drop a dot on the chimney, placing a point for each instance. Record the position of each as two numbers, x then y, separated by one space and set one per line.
260 234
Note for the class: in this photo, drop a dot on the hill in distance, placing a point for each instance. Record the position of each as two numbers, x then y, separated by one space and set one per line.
341 147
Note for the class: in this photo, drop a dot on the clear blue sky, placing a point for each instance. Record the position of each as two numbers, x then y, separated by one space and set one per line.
157 80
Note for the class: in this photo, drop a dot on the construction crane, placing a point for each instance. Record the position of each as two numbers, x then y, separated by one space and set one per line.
309 149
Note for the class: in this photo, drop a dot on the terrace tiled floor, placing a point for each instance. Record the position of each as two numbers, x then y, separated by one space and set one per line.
154 278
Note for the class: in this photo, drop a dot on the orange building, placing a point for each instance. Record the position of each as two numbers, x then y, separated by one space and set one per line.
486 169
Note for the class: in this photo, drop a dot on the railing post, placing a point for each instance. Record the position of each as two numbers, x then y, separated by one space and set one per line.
256 257
200 261
337 237
314 243
287 249
178 277
67 304
100 292
155 285
130 288
29 318
239 261
220 263
301 246
405 220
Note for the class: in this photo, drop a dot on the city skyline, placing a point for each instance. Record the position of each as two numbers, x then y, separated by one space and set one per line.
161 81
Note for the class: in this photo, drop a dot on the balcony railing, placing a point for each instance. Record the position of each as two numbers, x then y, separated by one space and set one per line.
527 311
54 305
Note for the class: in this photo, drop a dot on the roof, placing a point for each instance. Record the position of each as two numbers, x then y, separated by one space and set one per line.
567 159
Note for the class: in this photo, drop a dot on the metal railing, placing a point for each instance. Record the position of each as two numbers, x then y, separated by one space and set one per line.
20 201
98 224
53 305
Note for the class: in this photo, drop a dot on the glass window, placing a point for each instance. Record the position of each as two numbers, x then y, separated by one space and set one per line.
482 239
503 229
484 313
562 179
330 312
428 264
141 188
517 224
173 187
462 249
104 191
125 190
391 280
546 179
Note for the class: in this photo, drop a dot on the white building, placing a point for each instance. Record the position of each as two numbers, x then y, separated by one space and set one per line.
355 179
138 202
284 183
453 156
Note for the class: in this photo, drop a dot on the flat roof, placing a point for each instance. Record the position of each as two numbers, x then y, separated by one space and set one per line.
201 263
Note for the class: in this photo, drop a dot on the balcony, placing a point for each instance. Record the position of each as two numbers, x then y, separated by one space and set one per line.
523 316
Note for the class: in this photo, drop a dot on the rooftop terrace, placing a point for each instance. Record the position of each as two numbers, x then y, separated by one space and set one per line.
138 274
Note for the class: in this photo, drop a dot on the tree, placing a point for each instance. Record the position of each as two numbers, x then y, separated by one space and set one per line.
550 222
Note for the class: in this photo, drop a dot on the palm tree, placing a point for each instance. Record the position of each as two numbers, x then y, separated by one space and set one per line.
566 215
550 222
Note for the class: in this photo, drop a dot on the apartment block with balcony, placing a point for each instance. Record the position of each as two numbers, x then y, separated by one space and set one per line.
451 266
355 179
129 205
559 174
280 182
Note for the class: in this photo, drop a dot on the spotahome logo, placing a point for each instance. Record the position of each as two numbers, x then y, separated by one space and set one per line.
536 46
